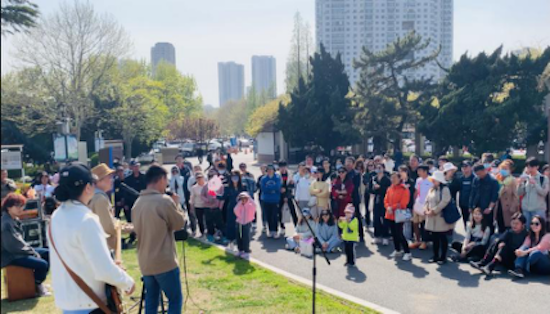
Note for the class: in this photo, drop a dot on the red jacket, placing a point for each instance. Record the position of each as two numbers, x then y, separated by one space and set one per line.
346 199
397 197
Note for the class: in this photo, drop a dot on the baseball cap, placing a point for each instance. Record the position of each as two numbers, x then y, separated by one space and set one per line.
135 163
75 175
466 163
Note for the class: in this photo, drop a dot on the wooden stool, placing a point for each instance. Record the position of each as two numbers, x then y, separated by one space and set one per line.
20 282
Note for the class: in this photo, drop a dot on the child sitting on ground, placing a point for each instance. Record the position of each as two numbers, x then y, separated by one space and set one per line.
350 233
302 231
245 211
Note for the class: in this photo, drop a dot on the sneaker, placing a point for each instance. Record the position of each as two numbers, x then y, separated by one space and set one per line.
442 261
423 246
276 235
268 234
42 291
210 238
336 250
477 265
396 254
231 246
407 257
245 255
254 225
433 260
282 233
287 247
487 270
517 273
264 230
376 241
414 245
225 241
385 242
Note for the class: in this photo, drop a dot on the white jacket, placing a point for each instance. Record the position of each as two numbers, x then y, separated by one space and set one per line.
180 180
80 240
302 187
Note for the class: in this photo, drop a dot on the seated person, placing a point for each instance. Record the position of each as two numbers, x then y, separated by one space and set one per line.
532 256
502 251
475 242
327 233
302 231
15 251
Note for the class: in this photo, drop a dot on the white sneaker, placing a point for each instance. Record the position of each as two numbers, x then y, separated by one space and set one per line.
282 232
231 246
264 230
385 242
268 234
396 254
276 235
376 241
407 257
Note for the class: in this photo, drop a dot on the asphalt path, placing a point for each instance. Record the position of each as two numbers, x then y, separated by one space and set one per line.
406 287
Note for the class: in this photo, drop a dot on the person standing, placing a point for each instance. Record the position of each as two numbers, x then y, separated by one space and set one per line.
78 242
244 211
423 186
355 177
119 191
350 233
320 190
286 195
185 168
101 203
378 186
197 204
484 195
17 252
213 213
508 200
341 193
177 186
465 191
367 177
229 199
397 197
301 182
44 189
137 182
263 171
156 217
438 198
533 187
271 196
8 185
414 162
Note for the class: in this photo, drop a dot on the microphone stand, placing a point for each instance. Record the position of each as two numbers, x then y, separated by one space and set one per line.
316 243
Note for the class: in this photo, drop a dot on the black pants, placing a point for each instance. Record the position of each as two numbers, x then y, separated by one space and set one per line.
200 213
243 237
399 240
507 255
214 220
357 205
349 248
490 221
367 212
465 215
476 253
271 211
440 243
292 209
500 220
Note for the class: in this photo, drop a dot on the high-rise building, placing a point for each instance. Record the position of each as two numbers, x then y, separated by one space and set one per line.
264 77
230 81
346 26
163 51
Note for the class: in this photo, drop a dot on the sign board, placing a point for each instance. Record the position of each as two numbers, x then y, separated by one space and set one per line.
11 160
60 147
83 153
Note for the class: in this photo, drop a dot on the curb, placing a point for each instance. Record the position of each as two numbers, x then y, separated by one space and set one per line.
306 282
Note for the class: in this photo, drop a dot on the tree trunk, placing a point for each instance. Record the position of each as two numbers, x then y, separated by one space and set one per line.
379 144
418 143
128 143
455 152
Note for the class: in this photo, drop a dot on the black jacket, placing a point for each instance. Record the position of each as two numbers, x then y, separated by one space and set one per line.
13 244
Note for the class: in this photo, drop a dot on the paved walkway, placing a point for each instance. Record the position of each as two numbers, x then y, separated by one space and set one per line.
407 287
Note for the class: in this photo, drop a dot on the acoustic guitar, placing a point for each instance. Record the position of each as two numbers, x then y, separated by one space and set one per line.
114 299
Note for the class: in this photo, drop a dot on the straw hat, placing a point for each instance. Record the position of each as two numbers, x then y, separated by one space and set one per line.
101 171
439 176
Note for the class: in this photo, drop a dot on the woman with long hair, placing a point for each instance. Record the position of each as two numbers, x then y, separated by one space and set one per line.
397 198
378 186
230 198
532 256
476 240
79 243
327 232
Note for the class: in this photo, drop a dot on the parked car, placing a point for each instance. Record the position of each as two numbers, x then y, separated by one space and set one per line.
213 145
189 149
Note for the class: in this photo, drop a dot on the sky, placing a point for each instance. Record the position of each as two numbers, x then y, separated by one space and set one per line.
206 32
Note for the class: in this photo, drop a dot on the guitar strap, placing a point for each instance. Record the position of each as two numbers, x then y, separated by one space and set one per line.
81 284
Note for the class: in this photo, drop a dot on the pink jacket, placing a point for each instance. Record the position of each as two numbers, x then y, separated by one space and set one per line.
543 246
245 212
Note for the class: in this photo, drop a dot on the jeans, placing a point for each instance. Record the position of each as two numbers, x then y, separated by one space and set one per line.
399 240
243 237
271 211
192 219
440 243
349 248
214 220
40 265
535 262
200 214
170 283
380 227
530 214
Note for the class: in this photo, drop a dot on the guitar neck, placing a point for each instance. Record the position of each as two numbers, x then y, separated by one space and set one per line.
118 248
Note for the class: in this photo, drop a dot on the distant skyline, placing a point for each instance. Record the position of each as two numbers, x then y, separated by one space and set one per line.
210 31
162 52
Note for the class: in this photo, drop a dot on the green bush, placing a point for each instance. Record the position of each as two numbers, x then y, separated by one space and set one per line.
94 159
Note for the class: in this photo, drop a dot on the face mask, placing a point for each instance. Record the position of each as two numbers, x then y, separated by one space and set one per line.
221 171
504 172
487 166
235 179
338 166
377 170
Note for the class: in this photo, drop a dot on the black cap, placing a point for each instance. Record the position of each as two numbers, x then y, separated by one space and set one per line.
282 163
135 163
479 168
75 175
424 167
270 166
466 163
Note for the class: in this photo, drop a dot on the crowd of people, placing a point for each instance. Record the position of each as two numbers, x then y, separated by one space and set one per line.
415 205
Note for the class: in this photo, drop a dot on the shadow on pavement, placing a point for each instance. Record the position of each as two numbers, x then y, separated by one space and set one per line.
416 271
453 272
356 275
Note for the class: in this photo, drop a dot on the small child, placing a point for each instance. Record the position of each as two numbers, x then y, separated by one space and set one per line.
245 211
350 233
302 231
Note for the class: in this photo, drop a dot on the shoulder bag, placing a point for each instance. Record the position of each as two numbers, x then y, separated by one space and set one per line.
450 212
402 215
114 302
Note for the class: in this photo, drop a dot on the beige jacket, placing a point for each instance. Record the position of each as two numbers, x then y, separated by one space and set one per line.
508 199
101 206
155 217
436 223
323 197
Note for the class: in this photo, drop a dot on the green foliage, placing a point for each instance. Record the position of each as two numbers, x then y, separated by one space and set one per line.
265 115
319 110
488 101
18 15
386 98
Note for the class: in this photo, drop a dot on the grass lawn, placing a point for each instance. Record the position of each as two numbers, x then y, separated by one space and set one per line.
220 283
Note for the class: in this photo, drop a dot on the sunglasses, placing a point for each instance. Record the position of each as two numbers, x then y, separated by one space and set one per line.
325 214
535 224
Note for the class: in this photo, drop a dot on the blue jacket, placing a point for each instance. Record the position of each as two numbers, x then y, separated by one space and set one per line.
271 189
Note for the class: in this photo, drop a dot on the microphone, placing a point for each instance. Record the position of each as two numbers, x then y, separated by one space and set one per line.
130 189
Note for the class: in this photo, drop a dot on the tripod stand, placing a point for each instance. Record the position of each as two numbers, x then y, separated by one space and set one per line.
316 244
142 300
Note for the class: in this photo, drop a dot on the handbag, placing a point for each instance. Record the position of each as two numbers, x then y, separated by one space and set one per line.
402 215
114 301
450 212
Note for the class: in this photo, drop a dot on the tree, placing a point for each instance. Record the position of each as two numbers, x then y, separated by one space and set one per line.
386 97
320 109
232 117
198 129
73 49
265 115
297 65
18 15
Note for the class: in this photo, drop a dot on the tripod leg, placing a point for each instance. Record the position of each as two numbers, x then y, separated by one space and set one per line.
142 296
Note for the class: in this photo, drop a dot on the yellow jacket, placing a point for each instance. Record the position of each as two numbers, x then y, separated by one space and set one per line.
323 197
